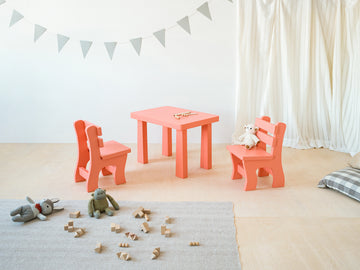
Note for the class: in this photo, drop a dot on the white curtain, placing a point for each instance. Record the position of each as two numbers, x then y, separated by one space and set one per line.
299 63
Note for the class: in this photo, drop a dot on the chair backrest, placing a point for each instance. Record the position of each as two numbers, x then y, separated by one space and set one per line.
88 141
270 134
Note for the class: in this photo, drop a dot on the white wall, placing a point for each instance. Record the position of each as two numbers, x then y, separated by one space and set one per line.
43 92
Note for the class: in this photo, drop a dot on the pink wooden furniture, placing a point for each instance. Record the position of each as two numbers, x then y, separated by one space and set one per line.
110 157
247 161
164 116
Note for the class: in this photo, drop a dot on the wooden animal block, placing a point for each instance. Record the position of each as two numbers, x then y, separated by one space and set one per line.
125 245
155 253
146 217
123 256
112 227
145 227
194 244
167 233
117 228
98 248
70 229
74 214
71 223
167 220
163 229
66 227
131 236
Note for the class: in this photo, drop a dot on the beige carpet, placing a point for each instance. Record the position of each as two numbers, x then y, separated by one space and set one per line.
296 227
45 245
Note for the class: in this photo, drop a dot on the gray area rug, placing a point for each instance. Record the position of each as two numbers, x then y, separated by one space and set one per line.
45 245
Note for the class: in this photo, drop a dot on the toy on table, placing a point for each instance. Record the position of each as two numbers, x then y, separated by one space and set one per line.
99 204
249 139
184 114
33 210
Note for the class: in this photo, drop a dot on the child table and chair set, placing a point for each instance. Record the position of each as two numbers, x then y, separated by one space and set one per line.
95 155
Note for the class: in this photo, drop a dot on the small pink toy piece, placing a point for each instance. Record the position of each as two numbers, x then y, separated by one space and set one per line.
108 157
247 161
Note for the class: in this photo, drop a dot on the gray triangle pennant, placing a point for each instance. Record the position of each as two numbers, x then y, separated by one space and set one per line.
110 47
136 42
184 23
16 16
62 40
85 46
160 35
2 2
204 10
38 31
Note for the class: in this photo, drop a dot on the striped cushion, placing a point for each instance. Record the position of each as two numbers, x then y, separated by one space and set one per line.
346 181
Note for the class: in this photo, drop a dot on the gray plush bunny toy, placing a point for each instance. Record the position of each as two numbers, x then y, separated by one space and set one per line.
33 210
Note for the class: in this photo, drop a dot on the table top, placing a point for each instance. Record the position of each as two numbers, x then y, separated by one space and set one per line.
164 116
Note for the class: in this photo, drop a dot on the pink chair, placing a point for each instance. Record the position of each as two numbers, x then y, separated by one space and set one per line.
247 161
110 157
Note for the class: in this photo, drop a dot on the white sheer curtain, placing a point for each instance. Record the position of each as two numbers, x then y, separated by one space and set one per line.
299 62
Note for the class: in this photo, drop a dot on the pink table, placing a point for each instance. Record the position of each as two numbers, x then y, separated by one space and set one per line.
164 116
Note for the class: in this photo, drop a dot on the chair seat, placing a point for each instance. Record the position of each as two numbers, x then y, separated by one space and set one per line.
112 149
255 153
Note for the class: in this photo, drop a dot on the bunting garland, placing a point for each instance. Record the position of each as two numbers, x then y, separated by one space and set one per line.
110 47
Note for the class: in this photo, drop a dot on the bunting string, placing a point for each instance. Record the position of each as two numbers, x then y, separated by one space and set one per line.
136 43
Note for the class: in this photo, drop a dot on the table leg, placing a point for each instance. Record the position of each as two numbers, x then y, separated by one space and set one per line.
142 147
181 154
206 159
166 141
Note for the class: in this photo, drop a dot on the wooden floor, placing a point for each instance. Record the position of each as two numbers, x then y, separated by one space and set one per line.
296 227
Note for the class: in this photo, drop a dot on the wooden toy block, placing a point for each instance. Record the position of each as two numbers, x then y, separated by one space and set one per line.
138 213
146 217
123 256
125 245
194 244
167 233
145 227
74 214
66 227
79 232
112 227
163 229
70 228
71 223
131 236
147 211
117 228
167 220
98 248
155 253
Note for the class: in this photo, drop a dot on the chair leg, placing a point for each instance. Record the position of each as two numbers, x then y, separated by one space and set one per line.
119 173
250 176
278 177
93 179
236 162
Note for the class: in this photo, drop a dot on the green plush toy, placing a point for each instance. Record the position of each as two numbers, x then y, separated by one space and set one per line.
98 204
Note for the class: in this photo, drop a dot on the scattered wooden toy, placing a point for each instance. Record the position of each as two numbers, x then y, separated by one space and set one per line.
66 227
167 233
145 227
123 256
163 229
70 229
131 236
79 232
98 248
124 245
74 214
167 220
71 223
147 211
117 228
194 244
139 213
112 227
146 216
155 253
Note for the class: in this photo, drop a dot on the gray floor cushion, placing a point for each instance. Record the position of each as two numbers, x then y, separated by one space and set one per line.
346 181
